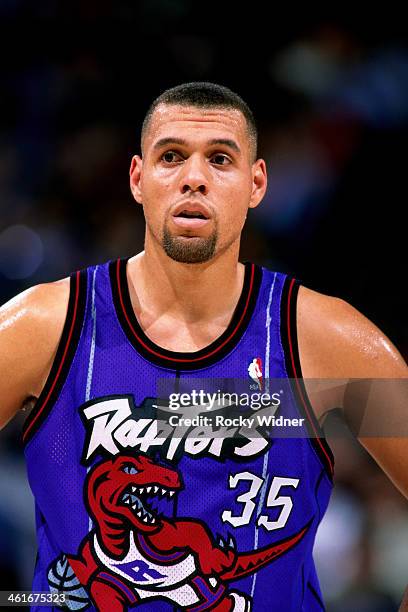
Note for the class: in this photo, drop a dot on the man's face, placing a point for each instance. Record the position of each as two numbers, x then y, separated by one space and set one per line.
196 180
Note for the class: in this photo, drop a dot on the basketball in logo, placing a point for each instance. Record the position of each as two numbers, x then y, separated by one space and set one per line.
62 579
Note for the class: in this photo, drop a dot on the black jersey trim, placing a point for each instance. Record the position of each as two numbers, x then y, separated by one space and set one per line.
63 359
316 596
316 489
177 360
293 368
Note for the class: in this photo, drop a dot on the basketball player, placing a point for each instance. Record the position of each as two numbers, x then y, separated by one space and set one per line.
128 514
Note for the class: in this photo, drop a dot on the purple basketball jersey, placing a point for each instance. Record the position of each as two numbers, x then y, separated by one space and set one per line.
134 511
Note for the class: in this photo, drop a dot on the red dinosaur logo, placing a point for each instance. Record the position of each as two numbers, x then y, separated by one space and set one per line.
134 554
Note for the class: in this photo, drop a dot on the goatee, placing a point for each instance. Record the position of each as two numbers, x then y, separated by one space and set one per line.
189 250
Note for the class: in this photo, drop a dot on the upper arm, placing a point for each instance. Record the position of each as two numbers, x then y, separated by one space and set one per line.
337 343
31 325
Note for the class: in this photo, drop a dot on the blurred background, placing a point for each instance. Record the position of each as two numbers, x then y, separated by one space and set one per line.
330 96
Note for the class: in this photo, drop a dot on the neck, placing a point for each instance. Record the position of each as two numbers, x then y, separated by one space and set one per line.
194 293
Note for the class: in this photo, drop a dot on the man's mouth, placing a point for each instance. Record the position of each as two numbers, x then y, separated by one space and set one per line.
190 219
191 215
140 500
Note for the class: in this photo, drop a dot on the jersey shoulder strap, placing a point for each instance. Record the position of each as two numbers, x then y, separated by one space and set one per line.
71 333
289 339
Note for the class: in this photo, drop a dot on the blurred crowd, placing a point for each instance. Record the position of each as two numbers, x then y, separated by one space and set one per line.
331 100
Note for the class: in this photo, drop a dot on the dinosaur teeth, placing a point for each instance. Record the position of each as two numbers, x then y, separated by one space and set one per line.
141 489
139 514
163 492
134 489
148 489
134 507
171 493
145 519
155 489
127 501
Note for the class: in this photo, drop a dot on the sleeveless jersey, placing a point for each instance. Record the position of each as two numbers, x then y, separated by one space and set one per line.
134 511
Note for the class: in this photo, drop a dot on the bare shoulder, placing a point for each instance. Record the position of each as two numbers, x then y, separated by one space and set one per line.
37 306
31 325
39 296
337 341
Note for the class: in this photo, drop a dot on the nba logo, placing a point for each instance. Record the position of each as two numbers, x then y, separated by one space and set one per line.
255 372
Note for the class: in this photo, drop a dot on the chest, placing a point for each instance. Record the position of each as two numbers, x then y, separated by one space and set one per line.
178 335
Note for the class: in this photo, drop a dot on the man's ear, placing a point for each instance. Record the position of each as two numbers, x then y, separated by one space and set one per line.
259 182
135 174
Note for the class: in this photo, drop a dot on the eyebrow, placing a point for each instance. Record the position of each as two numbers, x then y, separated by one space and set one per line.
163 142
227 142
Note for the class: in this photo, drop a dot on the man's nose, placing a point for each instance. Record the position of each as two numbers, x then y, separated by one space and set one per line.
194 176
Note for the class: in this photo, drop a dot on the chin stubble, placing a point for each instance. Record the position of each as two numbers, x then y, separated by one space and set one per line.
189 250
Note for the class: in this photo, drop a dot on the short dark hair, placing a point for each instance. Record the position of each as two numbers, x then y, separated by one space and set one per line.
205 95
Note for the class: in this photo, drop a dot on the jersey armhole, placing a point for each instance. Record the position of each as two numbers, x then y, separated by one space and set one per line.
63 358
289 337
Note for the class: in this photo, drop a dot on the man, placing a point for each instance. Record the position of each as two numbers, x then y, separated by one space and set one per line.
132 515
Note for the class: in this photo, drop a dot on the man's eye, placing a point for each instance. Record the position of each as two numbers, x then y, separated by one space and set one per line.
220 159
170 157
